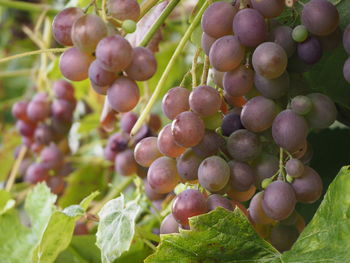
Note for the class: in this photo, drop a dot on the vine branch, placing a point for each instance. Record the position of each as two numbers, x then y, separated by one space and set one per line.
25 6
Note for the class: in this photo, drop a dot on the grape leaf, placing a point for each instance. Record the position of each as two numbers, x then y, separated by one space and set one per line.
6 202
116 228
218 236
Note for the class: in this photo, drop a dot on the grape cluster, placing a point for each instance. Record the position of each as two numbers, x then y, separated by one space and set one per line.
102 54
346 44
260 143
43 124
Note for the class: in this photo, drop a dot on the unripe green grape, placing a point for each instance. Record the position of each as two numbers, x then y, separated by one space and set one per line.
265 183
129 26
289 179
300 33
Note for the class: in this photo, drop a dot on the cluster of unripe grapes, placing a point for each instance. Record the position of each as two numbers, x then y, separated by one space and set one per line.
102 54
43 123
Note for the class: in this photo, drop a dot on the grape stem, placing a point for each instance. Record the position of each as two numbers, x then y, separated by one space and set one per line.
281 173
30 53
15 168
169 66
21 5
204 78
194 67
17 73
158 23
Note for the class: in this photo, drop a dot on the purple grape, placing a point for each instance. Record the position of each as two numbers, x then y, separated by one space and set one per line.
242 176
146 151
128 121
19 110
169 225
256 212
205 101
62 110
25 128
209 145
272 88
124 9
346 39
187 165
175 101
99 76
239 81
346 70
166 143
125 163
243 145
310 51
294 168
265 166
143 65
216 200
36 173
206 42
231 123
64 90
123 95
52 157
38 110
282 35
269 8
323 112
283 237
44 134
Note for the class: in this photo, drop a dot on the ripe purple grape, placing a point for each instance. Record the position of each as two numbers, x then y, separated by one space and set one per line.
282 35
187 165
36 173
323 112
269 8
243 145
99 76
64 90
231 123
205 101
239 81
272 88
175 101
127 121
166 143
310 51
19 110
216 200
283 237
209 145
301 105
206 43
52 157
346 39
143 64
256 212
146 151
124 9
265 166
169 225
38 110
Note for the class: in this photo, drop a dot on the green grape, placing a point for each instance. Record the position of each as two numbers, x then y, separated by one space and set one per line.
300 33
129 26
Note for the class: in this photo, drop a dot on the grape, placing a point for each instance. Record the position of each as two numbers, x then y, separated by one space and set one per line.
213 173
188 129
258 114
279 200
44 134
239 81
87 31
272 88
256 212
123 95
323 113
226 53
60 127
169 225
124 9
269 8
231 123
320 17
346 70
19 110
206 43
154 122
294 168
62 89
62 110
52 157
25 128
99 76
331 41
129 26
23 167
56 184
269 60
115 53
209 145
125 163
216 200
127 121
217 19
290 220
74 65
143 64
300 33
187 165
146 151
36 173
289 130
250 27
151 194
310 51
62 25
213 122
243 145
117 143
99 90
242 176
218 77
205 101
66 170
162 175
38 110
175 101
282 35
308 187
301 105
187 204
346 39
80 229
27 141
283 237
241 196
166 143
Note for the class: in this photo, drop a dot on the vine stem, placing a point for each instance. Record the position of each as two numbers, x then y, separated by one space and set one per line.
204 78
15 168
21 5
194 67
169 66
30 53
281 171
16 73
166 12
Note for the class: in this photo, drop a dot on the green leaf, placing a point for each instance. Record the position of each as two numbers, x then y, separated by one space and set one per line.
116 228
87 200
6 202
89 123
218 236
327 236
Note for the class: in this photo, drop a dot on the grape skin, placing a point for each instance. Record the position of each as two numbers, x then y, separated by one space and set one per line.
323 112
146 151
169 225
125 163
25 128
282 35
346 39
256 212
216 200
269 8
226 53
205 101
213 173
217 19
301 104
52 157
143 64
187 204
346 70
99 76
175 101
187 165
250 27
166 143
294 167
124 9
279 200
310 51
19 110
272 88
36 173
123 95
209 145
127 121
283 237
239 81
206 43
188 129
241 196
242 176
62 89
231 123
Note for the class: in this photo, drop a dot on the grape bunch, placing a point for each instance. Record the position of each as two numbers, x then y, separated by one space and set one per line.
43 123
102 54
246 137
